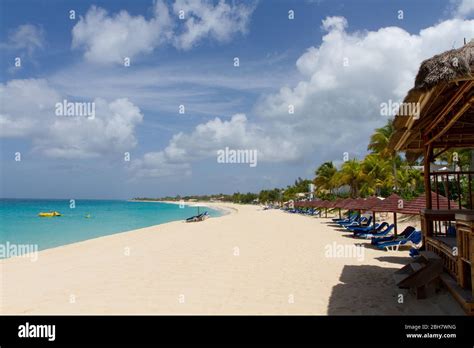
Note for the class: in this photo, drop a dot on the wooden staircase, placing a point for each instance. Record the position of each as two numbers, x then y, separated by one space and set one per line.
420 274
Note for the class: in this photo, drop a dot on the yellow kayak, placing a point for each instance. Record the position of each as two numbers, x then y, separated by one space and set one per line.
50 214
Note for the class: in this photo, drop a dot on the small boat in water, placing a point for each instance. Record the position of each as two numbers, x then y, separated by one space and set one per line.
50 214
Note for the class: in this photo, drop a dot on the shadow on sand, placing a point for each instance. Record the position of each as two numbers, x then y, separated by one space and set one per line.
364 290
402 260
371 290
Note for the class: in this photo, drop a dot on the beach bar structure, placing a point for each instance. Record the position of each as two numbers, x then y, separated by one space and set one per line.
442 118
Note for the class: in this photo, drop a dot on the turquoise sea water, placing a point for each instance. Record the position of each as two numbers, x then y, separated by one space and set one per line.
20 224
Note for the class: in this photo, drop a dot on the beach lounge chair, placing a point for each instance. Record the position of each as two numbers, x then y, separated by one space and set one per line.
414 252
382 233
364 223
368 229
451 231
406 232
200 217
354 218
351 218
414 238
342 219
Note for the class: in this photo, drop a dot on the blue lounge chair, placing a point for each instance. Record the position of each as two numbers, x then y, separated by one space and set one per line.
355 220
451 231
364 223
414 238
351 218
342 219
200 217
368 229
382 233
406 232
414 252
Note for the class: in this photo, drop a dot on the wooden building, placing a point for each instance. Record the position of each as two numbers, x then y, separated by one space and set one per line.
440 117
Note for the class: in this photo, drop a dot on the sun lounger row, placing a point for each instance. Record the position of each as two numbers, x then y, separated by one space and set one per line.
380 234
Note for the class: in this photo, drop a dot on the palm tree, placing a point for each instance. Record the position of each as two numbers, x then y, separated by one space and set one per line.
463 157
378 175
379 140
325 177
411 182
378 144
352 175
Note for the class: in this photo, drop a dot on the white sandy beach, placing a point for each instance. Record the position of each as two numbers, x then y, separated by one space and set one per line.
248 262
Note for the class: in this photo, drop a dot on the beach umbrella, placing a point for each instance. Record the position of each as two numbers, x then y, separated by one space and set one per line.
341 204
321 204
415 206
326 205
352 204
390 204
368 203
361 204
317 203
439 202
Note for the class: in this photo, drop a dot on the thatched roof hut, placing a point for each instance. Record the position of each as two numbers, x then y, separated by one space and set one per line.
455 64
439 109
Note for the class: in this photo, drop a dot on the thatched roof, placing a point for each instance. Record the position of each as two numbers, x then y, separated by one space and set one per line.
445 67
444 93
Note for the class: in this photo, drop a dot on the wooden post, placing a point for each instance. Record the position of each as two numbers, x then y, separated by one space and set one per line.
395 229
428 155
340 216
373 217
326 212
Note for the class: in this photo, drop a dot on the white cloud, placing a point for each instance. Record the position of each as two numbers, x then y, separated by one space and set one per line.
156 164
339 105
26 38
109 38
463 8
25 106
336 106
203 19
28 110
204 142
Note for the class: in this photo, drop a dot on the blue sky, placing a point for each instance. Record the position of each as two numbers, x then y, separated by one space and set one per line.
335 62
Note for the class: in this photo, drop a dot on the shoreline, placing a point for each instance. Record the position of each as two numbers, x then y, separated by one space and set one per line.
222 209
214 205
249 263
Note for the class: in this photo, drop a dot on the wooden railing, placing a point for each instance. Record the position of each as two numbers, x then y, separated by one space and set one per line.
445 252
435 224
455 185
465 239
